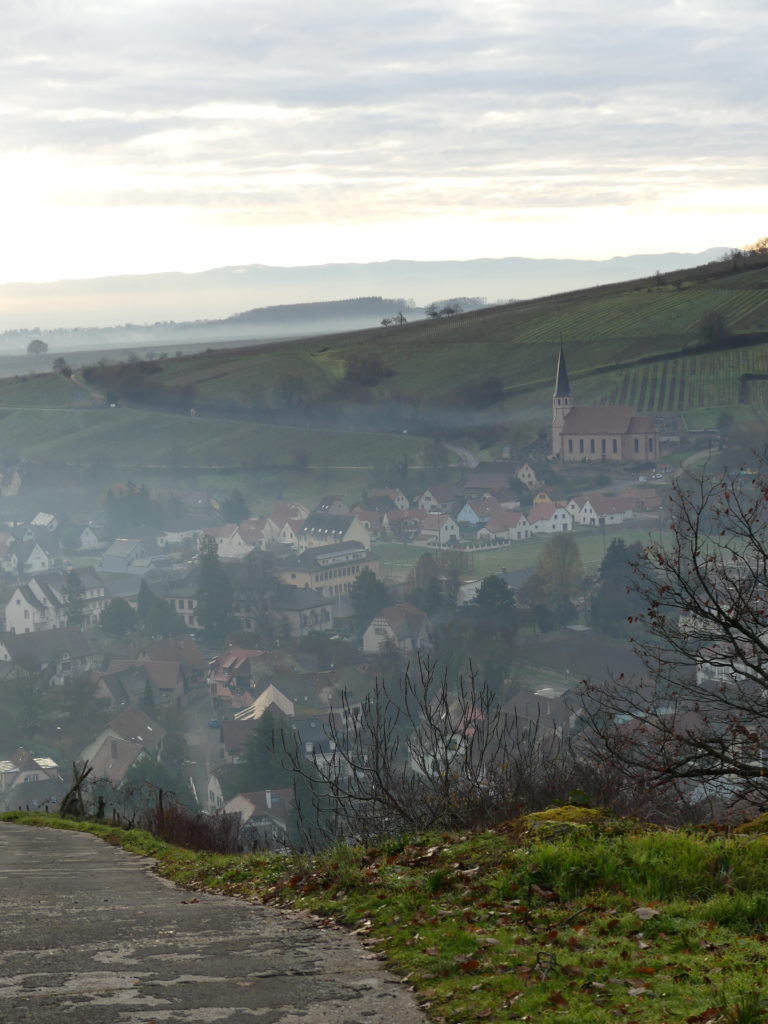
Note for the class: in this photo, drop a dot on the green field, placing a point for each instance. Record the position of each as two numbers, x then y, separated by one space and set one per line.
397 560
128 437
42 389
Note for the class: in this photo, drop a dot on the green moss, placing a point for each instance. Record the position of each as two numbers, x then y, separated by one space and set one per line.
758 826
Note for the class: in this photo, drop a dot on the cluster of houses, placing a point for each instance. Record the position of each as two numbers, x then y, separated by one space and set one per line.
318 554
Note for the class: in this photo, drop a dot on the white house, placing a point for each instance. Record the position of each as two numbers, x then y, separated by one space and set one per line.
546 517
403 625
394 494
505 526
598 510
230 545
478 511
437 530
436 499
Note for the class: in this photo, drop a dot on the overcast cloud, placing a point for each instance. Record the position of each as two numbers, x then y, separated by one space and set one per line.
225 121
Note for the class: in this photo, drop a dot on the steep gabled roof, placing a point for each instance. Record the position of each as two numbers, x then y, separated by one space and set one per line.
562 384
405 620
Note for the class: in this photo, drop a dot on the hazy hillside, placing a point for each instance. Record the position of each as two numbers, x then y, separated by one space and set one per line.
214 294
493 367
346 400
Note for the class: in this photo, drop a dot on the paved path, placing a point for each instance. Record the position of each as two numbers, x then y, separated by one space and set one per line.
90 936
465 455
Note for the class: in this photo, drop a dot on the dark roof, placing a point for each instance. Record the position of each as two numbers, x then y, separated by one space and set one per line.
315 558
299 599
133 725
562 384
30 597
325 525
89 578
47 646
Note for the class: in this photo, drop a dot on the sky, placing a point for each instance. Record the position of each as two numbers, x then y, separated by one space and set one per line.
156 135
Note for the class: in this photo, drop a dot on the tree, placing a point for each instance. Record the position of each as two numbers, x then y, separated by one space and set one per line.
422 752
368 595
155 615
37 347
713 328
761 245
698 718
265 757
73 593
557 579
214 594
235 509
495 600
118 618
616 601
60 365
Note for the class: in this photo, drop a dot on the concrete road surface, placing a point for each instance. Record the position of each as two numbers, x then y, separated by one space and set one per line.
91 936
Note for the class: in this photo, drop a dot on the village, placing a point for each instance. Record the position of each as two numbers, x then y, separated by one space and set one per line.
314 620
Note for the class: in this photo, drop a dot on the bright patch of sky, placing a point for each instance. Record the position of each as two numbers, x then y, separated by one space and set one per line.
186 134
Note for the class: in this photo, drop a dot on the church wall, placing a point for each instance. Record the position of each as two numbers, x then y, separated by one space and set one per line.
610 448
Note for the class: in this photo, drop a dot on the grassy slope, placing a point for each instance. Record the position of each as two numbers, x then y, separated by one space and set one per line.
567 915
519 342
42 389
137 437
604 330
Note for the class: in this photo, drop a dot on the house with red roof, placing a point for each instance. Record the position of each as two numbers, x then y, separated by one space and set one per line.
403 625
547 517
505 526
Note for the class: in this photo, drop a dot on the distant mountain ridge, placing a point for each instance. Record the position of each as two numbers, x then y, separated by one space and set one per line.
219 293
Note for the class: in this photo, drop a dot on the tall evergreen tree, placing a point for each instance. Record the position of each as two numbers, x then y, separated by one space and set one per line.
74 600
214 594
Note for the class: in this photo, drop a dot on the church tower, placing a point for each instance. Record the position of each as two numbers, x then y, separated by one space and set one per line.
561 403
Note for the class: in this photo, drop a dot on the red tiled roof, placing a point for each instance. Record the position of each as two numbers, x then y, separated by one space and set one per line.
405 620
542 510
599 419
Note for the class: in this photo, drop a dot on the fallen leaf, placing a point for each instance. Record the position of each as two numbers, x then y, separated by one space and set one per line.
646 913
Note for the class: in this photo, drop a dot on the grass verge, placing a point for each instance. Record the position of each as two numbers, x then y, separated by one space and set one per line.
566 915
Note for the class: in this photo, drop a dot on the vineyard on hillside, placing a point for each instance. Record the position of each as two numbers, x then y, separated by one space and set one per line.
672 312
697 381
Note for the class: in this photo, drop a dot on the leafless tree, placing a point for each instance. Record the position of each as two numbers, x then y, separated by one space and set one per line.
697 721
419 754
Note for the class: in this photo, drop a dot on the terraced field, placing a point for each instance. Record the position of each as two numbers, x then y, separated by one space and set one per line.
696 381
517 343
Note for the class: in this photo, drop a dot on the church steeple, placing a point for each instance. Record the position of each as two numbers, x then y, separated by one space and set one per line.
561 403
562 384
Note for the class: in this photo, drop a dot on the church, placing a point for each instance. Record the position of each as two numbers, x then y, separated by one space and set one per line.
598 433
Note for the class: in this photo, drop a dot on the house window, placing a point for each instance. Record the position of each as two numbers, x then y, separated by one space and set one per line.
581 445
602 446
570 445
637 444
615 446
592 446
650 444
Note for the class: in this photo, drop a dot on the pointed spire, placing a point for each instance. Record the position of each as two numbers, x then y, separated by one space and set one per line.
562 384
